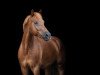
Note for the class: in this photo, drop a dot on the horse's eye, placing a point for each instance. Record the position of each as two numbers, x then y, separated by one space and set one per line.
35 22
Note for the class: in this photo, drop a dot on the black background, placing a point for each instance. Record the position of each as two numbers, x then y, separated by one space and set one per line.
66 20
74 22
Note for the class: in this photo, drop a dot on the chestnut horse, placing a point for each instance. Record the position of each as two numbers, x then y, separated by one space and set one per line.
38 49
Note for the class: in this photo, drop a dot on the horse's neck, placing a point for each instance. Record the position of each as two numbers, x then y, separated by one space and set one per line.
27 40
30 41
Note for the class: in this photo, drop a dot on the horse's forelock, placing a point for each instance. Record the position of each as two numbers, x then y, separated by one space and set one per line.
37 15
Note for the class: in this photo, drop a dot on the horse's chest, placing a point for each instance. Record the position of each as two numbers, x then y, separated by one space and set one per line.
34 55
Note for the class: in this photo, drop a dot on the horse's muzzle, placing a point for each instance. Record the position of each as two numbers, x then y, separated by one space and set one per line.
46 36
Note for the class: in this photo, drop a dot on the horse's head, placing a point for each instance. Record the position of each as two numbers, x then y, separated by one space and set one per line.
36 25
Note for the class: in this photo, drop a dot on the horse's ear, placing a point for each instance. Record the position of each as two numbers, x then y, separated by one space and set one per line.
40 11
32 12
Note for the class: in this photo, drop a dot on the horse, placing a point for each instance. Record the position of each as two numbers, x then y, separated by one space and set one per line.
38 48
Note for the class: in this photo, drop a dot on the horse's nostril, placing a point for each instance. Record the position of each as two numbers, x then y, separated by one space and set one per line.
46 35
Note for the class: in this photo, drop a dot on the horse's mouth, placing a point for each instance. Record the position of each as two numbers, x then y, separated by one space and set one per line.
47 38
44 38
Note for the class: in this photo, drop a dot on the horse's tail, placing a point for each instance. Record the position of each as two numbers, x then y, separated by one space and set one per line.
61 57
62 52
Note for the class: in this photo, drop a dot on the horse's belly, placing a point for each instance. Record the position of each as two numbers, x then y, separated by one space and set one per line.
47 62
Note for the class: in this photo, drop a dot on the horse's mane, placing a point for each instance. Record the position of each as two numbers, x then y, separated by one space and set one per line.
26 34
25 22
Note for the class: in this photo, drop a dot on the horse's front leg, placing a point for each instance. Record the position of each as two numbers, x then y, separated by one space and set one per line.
60 65
60 69
36 70
47 71
24 70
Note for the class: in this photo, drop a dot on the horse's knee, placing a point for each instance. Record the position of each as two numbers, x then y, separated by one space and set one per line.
60 65
61 69
35 70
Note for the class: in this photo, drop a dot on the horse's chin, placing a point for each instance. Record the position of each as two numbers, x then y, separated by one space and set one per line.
46 39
